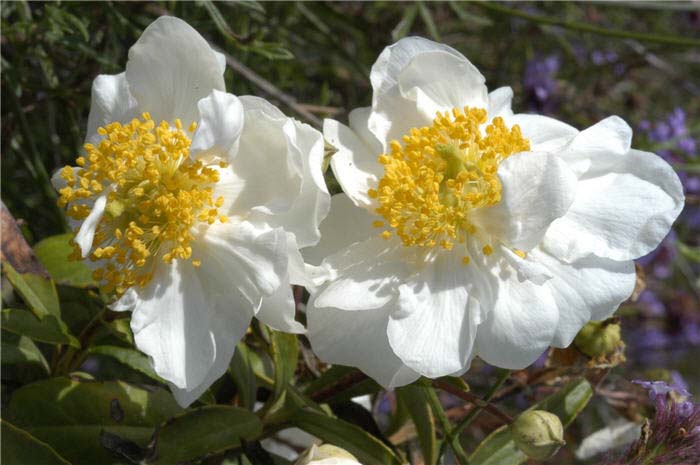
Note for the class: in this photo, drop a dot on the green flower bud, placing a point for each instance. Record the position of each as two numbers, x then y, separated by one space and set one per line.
327 454
539 434
598 338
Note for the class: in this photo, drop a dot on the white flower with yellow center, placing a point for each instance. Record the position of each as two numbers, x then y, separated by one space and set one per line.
466 230
190 205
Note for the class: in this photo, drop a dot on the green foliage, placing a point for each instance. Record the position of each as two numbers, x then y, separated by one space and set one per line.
38 293
416 401
53 253
50 329
20 447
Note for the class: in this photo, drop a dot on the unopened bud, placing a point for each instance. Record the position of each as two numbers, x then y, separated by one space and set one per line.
598 338
327 454
539 434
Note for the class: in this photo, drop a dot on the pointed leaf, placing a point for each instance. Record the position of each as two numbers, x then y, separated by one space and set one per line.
21 448
285 354
129 357
38 293
53 253
50 329
414 399
241 371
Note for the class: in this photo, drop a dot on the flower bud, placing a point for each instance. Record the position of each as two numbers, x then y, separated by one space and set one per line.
327 454
598 338
539 434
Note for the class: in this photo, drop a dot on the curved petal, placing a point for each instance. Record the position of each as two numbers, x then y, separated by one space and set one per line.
357 339
588 289
219 128
267 170
599 147
344 225
86 233
110 101
544 133
623 214
537 189
277 311
392 112
253 259
171 68
500 101
312 204
434 328
520 325
171 324
126 302
355 164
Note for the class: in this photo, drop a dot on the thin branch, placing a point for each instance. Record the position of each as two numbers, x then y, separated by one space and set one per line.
473 399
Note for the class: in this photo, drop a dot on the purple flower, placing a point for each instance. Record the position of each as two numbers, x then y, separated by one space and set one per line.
661 388
540 80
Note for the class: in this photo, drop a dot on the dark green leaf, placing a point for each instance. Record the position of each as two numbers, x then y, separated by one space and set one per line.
285 354
414 399
206 430
53 253
368 449
21 448
38 293
69 415
50 329
271 50
241 372
19 350
129 357
404 27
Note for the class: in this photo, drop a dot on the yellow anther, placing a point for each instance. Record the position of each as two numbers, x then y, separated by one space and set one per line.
519 253
196 263
466 260
386 234
377 224
192 127
487 249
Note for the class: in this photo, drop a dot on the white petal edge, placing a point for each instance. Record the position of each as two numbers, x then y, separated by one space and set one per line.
220 125
110 101
598 147
544 133
277 311
86 233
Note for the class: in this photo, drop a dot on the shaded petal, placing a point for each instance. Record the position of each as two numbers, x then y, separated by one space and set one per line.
544 133
110 101
537 189
278 310
500 101
589 289
266 173
253 259
623 214
86 233
599 147
219 128
520 325
171 67
171 323
357 339
126 302
434 328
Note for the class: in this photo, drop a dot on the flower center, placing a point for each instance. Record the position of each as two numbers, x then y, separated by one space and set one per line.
156 194
440 174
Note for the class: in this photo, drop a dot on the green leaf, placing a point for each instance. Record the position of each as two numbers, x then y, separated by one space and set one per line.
19 350
241 371
21 448
271 50
53 253
415 400
206 430
404 26
368 449
38 293
50 329
129 357
499 449
285 354
69 415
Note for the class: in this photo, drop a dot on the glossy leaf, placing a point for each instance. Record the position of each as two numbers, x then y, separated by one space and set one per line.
38 293
53 253
69 415
207 430
129 357
20 350
285 354
241 371
50 329
416 402
21 448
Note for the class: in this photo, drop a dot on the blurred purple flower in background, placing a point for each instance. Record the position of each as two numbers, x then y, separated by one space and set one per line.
540 83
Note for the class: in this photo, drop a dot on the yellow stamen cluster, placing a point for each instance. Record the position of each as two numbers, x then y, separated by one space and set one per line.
442 172
156 194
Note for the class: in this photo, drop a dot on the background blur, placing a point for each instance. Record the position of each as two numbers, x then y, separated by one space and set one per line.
578 62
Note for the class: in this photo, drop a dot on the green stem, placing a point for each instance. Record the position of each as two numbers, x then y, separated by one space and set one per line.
582 27
435 405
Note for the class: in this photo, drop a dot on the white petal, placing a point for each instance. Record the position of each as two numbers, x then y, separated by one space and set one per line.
253 259
171 324
441 81
126 302
393 111
520 325
589 289
500 101
86 234
357 339
433 330
219 128
267 170
171 68
278 310
355 164
344 225
544 133
314 201
537 189
110 101
599 147
623 214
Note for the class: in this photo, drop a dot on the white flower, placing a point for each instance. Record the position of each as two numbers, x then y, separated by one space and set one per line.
327 454
190 204
477 232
